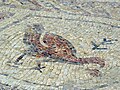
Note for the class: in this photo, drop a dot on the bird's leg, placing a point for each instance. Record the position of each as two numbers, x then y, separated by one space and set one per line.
39 67
19 58
38 62
29 51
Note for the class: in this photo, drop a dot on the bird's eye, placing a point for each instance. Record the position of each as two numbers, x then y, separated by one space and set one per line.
44 41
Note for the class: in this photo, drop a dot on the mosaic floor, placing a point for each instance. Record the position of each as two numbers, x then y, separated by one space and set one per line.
92 27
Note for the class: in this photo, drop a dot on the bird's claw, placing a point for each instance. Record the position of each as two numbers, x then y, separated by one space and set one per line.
38 68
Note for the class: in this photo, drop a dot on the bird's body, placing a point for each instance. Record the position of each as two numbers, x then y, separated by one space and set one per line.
54 46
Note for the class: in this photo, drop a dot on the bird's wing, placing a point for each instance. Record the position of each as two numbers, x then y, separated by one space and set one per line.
70 46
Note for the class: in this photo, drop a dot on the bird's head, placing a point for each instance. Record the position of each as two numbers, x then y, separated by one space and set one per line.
36 28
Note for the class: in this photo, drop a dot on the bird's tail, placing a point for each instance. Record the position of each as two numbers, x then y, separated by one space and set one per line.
95 60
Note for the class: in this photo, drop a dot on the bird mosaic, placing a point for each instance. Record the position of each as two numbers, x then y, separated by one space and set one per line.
43 44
